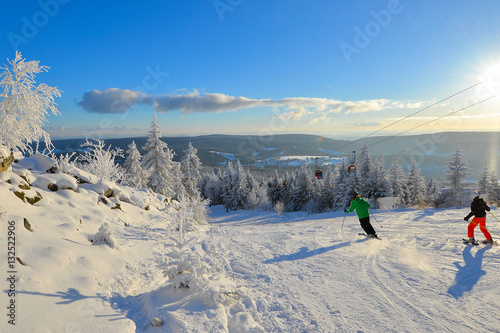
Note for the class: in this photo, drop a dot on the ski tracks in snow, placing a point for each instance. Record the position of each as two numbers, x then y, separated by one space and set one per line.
307 276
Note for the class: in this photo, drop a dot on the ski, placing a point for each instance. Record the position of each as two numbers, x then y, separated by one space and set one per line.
363 234
466 241
484 242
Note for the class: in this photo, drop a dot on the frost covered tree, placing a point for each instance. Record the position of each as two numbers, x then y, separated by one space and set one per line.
302 189
433 191
241 187
100 161
493 188
177 185
158 163
24 105
191 172
341 191
351 186
227 185
456 173
366 167
133 167
276 188
329 189
482 183
378 180
397 180
417 191
212 188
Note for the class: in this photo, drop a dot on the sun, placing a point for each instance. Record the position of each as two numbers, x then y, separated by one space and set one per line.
490 76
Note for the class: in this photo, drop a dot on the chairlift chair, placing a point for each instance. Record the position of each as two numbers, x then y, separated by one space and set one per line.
352 161
318 173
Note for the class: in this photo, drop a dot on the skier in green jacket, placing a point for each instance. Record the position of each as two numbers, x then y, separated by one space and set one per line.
361 206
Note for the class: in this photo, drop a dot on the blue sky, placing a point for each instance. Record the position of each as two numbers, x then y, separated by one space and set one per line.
333 68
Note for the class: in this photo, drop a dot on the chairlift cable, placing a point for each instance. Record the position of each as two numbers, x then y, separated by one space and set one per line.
436 119
411 115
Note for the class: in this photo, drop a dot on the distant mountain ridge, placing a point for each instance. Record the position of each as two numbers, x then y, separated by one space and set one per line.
431 151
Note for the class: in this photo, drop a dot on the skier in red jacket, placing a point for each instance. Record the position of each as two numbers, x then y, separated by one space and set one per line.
478 209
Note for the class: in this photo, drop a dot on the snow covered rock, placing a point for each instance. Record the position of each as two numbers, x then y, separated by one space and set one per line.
12 178
37 162
156 322
62 180
29 196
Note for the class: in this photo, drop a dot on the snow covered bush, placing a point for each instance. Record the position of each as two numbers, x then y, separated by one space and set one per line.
100 161
279 208
201 270
24 105
64 164
104 235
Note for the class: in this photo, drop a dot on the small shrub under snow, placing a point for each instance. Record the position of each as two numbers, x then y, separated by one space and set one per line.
201 270
279 208
104 236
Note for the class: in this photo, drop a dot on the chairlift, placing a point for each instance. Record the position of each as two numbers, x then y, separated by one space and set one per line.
352 161
318 173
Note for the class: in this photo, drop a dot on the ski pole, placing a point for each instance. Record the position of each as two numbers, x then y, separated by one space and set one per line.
343 221
494 216
377 221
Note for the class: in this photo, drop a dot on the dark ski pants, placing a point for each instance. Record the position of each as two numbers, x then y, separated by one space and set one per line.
366 225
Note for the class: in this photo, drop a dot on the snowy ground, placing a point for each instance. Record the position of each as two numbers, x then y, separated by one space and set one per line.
296 273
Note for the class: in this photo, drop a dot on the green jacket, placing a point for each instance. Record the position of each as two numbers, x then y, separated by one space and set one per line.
361 206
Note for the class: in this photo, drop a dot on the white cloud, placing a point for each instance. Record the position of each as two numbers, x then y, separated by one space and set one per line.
113 100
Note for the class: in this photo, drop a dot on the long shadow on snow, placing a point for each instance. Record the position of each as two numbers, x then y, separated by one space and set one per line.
72 295
469 274
123 304
304 252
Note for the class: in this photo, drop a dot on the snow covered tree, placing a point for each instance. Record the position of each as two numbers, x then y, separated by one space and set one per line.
133 167
482 183
275 188
212 188
493 188
158 163
329 189
227 185
314 204
341 196
240 186
456 174
380 185
24 105
433 191
417 191
397 180
191 171
302 188
366 167
100 161
351 186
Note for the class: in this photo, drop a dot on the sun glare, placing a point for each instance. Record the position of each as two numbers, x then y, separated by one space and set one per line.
491 78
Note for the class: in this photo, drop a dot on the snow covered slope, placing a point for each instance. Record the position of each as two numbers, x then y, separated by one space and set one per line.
295 273
307 274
